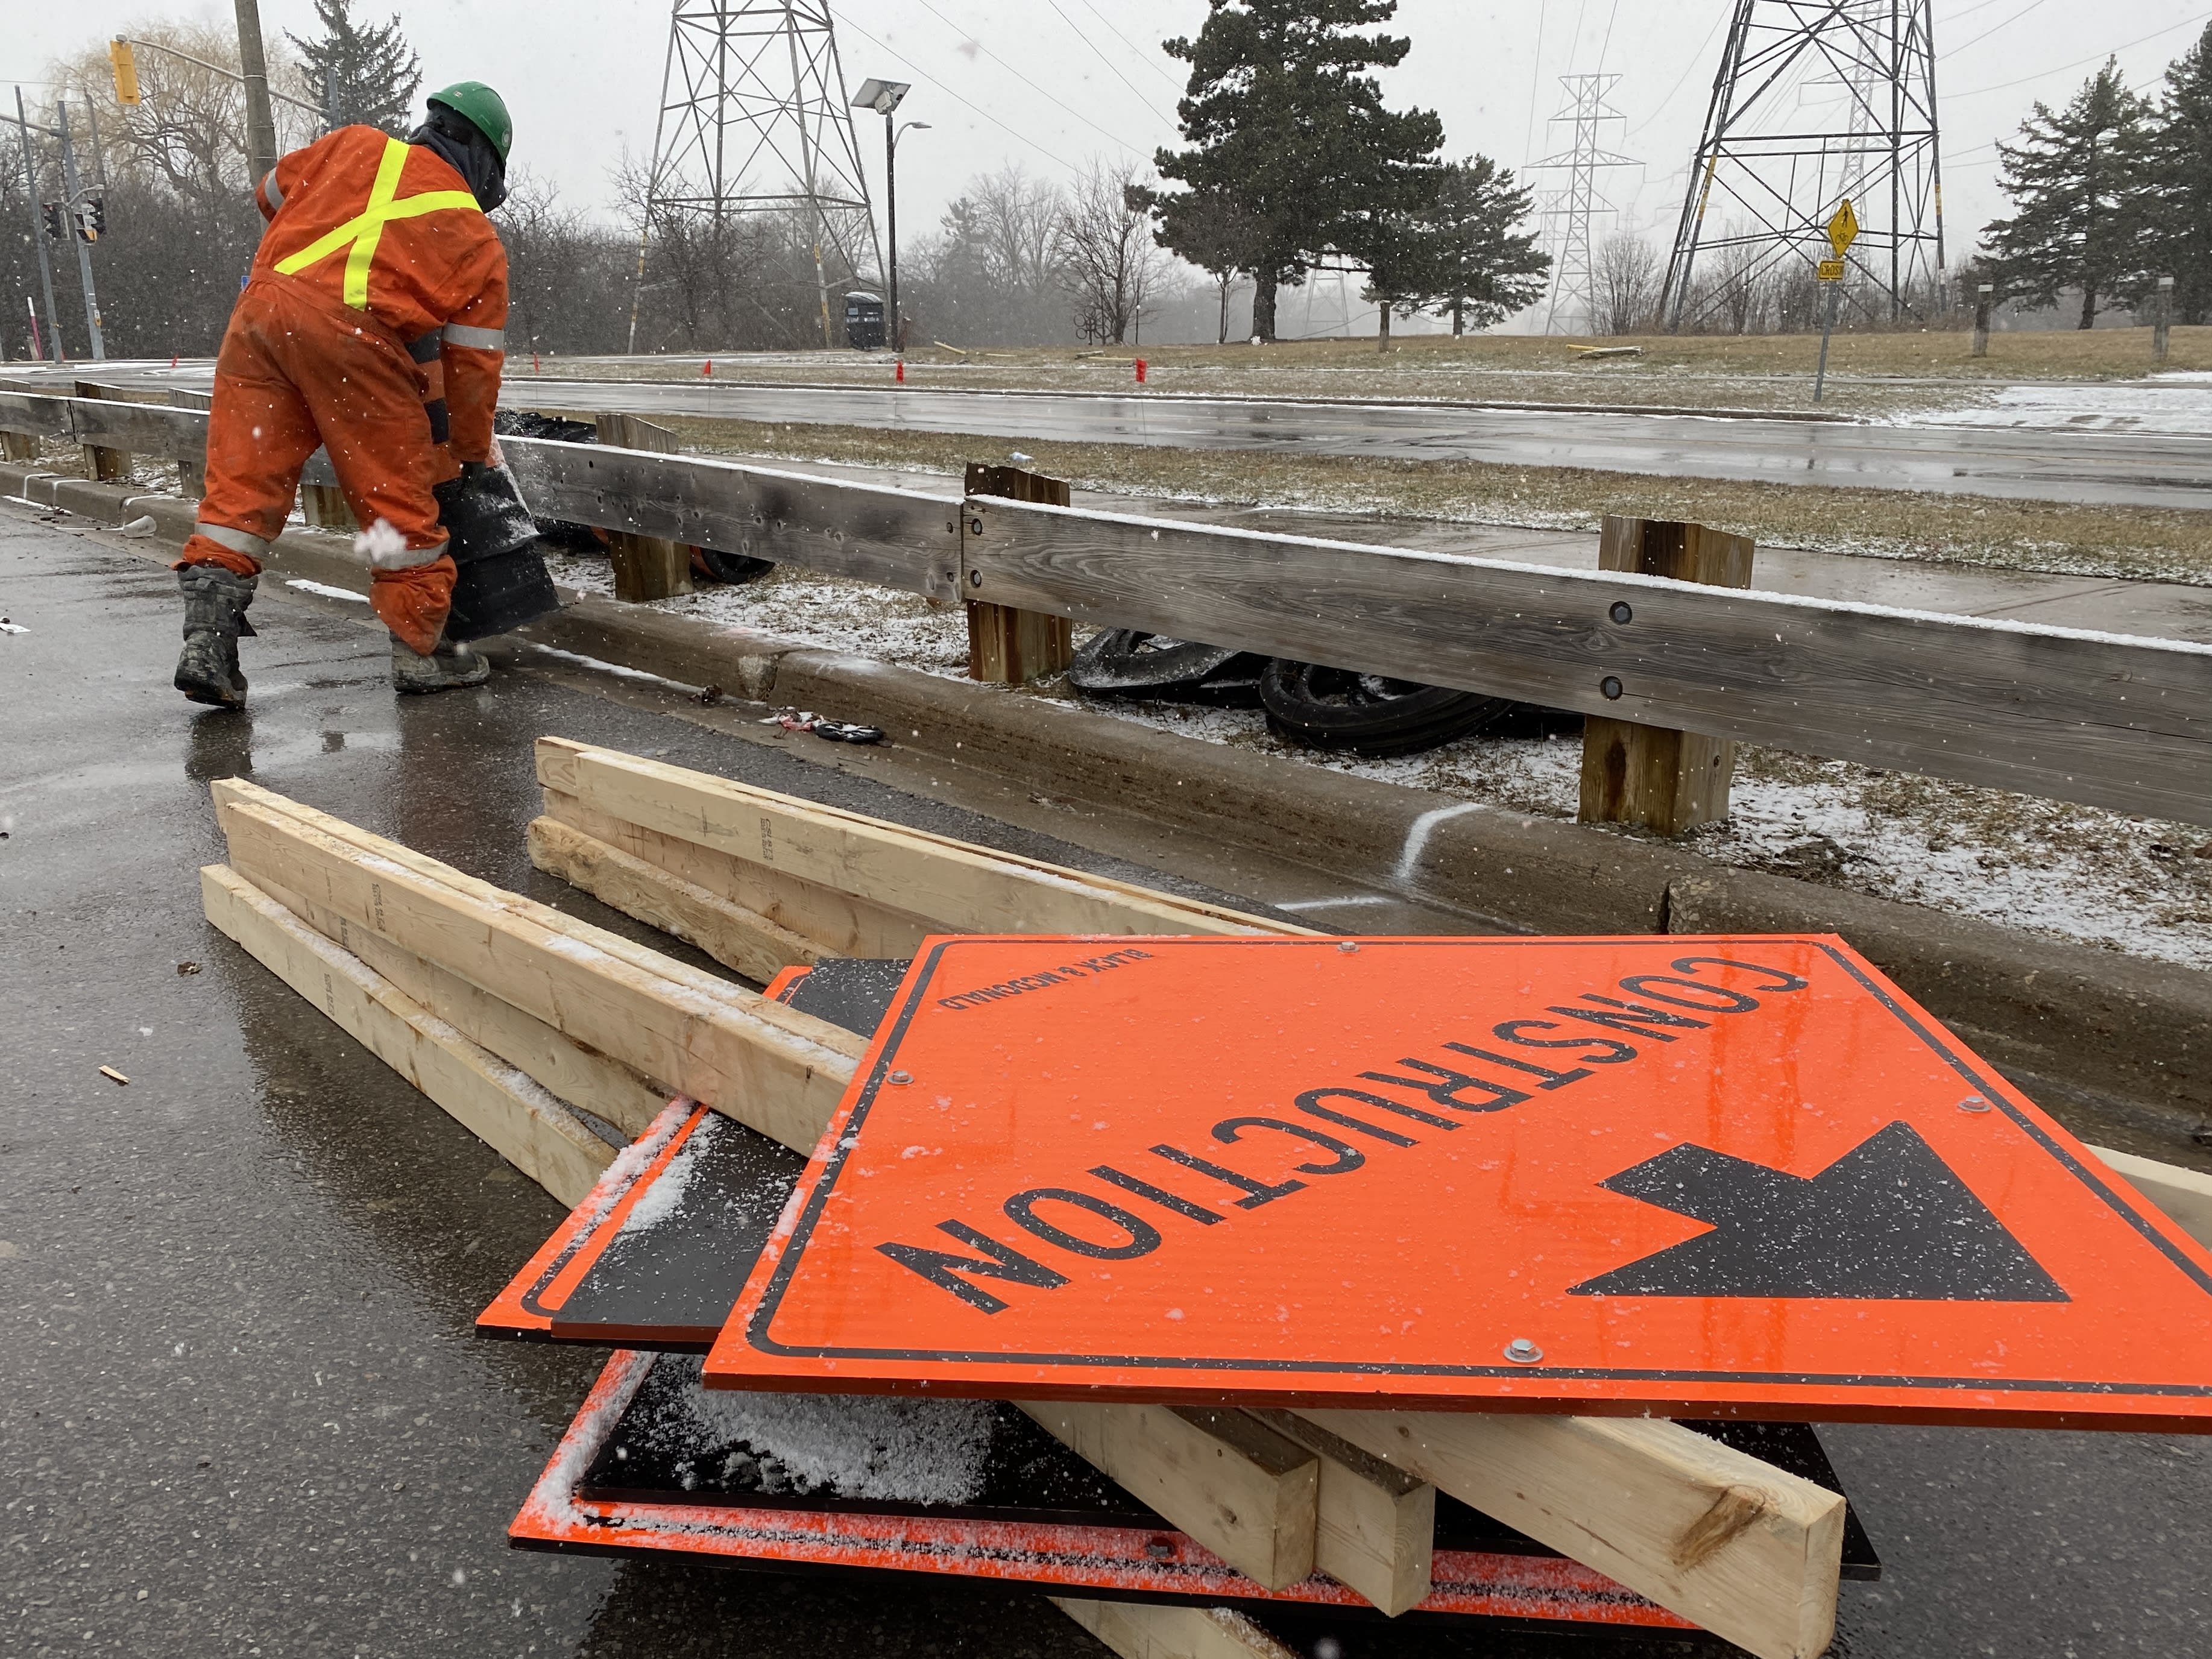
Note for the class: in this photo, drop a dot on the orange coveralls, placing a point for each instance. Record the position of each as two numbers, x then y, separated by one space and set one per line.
370 326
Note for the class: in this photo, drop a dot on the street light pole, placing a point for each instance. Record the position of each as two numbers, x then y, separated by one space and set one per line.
69 222
37 233
891 219
260 121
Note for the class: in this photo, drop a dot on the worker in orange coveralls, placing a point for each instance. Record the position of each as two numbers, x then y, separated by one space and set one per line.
370 326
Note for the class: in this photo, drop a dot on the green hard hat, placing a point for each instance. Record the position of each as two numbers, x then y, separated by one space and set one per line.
484 109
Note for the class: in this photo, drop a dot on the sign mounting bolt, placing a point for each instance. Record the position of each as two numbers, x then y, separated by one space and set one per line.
1347 947
901 1078
1522 1351
1973 1103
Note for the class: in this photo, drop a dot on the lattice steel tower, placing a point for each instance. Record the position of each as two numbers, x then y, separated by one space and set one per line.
1574 207
1816 102
754 120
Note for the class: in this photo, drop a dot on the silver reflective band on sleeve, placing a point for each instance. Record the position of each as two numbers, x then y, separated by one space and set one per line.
238 541
271 192
476 340
406 558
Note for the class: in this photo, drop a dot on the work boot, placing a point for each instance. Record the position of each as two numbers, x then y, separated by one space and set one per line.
215 616
447 668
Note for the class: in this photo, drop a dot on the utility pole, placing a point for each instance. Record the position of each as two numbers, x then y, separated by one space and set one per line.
260 122
72 192
37 233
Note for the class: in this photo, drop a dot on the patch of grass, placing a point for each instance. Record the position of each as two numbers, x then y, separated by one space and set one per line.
2165 545
1869 373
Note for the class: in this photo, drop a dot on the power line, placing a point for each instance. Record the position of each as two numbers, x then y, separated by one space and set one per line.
957 97
1143 57
2110 51
1110 138
2031 5
1689 68
1140 97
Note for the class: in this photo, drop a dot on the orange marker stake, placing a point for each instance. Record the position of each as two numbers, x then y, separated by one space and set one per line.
1688 1177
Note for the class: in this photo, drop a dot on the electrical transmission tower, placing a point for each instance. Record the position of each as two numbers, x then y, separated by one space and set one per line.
1572 207
754 119
1817 102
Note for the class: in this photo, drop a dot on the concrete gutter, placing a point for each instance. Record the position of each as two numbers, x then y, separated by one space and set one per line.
2092 1034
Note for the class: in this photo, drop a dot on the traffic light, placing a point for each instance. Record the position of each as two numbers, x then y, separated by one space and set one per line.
91 218
125 63
57 228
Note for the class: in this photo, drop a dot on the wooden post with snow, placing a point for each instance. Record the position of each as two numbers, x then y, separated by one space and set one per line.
1982 300
646 567
1651 776
1006 646
2161 327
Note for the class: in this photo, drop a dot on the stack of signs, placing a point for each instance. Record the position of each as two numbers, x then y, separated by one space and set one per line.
1741 1180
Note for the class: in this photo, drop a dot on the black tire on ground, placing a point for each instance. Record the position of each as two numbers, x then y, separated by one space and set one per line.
1121 662
1368 715
731 568
1533 720
528 423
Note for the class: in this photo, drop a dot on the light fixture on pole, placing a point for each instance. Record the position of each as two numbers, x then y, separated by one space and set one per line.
884 97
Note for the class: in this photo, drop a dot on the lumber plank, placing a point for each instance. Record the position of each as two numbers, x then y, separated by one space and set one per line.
830 921
577 1076
494 1100
1236 1485
892 537
2124 724
1749 1551
777 1070
2186 1195
1135 1630
733 935
955 887
1375 1525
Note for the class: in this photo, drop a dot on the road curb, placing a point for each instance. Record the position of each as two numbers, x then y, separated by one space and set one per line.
2126 1039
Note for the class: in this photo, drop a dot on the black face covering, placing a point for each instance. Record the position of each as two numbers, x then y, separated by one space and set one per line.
455 139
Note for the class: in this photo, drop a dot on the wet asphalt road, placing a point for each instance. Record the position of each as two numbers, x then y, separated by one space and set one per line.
244 1412
2116 469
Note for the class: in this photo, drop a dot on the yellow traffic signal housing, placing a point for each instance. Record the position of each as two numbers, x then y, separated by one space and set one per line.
125 63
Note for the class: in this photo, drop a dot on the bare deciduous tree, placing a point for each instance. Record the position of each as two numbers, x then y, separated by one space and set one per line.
1107 256
1627 284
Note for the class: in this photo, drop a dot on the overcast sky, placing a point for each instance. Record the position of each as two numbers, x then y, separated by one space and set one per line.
1049 83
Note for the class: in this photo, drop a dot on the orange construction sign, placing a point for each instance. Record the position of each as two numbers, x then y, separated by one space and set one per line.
1691 1177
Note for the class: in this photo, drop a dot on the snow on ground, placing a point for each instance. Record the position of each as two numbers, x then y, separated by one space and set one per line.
2075 872
2177 406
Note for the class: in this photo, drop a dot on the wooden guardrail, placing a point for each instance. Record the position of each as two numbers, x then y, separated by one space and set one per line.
2113 721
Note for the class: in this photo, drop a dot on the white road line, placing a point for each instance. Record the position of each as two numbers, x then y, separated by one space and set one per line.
1417 838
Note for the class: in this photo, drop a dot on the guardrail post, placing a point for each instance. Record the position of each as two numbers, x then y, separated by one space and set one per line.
1651 776
18 447
192 464
2161 330
324 507
103 466
646 567
1006 646
1983 297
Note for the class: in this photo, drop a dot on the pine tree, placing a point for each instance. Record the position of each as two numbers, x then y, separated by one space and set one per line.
1287 122
365 74
2073 178
1487 267
2176 224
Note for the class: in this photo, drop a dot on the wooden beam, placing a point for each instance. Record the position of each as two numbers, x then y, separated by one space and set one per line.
646 567
191 455
811 919
1375 1525
498 1104
577 1076
2125 724
892 538
2186 1195
736 938
1749 1551
1136 1631
1654 777
1007 646
777 1070
1236 1485
954 887
324 507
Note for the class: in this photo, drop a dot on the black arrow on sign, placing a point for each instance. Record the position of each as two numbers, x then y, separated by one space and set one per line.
1887 1221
